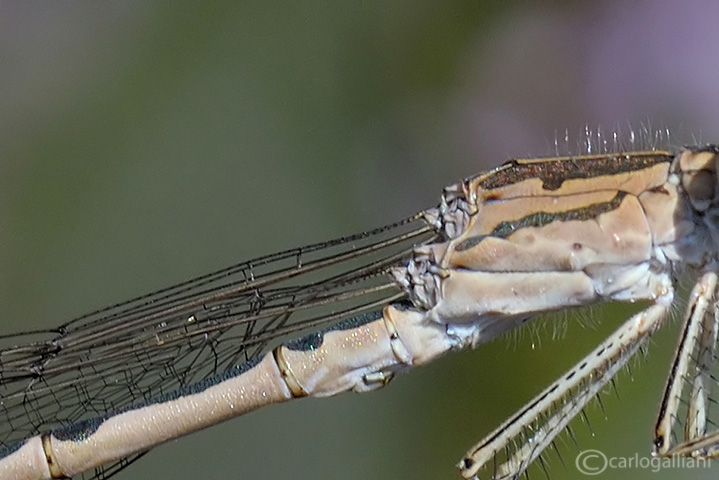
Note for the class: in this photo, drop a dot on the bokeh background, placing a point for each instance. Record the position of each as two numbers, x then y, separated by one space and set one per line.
142 144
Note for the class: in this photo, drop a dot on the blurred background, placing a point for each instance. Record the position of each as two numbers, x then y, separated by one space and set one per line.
143 144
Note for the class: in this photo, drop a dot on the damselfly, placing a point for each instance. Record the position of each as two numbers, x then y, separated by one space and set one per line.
528 237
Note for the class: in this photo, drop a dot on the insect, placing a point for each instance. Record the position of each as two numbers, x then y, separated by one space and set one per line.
528 237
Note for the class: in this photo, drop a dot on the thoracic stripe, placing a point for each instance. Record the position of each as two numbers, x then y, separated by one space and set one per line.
553 173
538 219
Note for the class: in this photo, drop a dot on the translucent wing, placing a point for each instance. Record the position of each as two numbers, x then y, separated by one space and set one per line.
181 335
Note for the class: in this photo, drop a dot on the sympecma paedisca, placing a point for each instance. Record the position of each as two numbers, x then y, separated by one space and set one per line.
528 237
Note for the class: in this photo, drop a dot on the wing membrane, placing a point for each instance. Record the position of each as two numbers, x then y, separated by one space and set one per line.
154 344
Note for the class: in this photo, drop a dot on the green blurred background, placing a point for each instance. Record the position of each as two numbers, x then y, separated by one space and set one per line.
142 144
